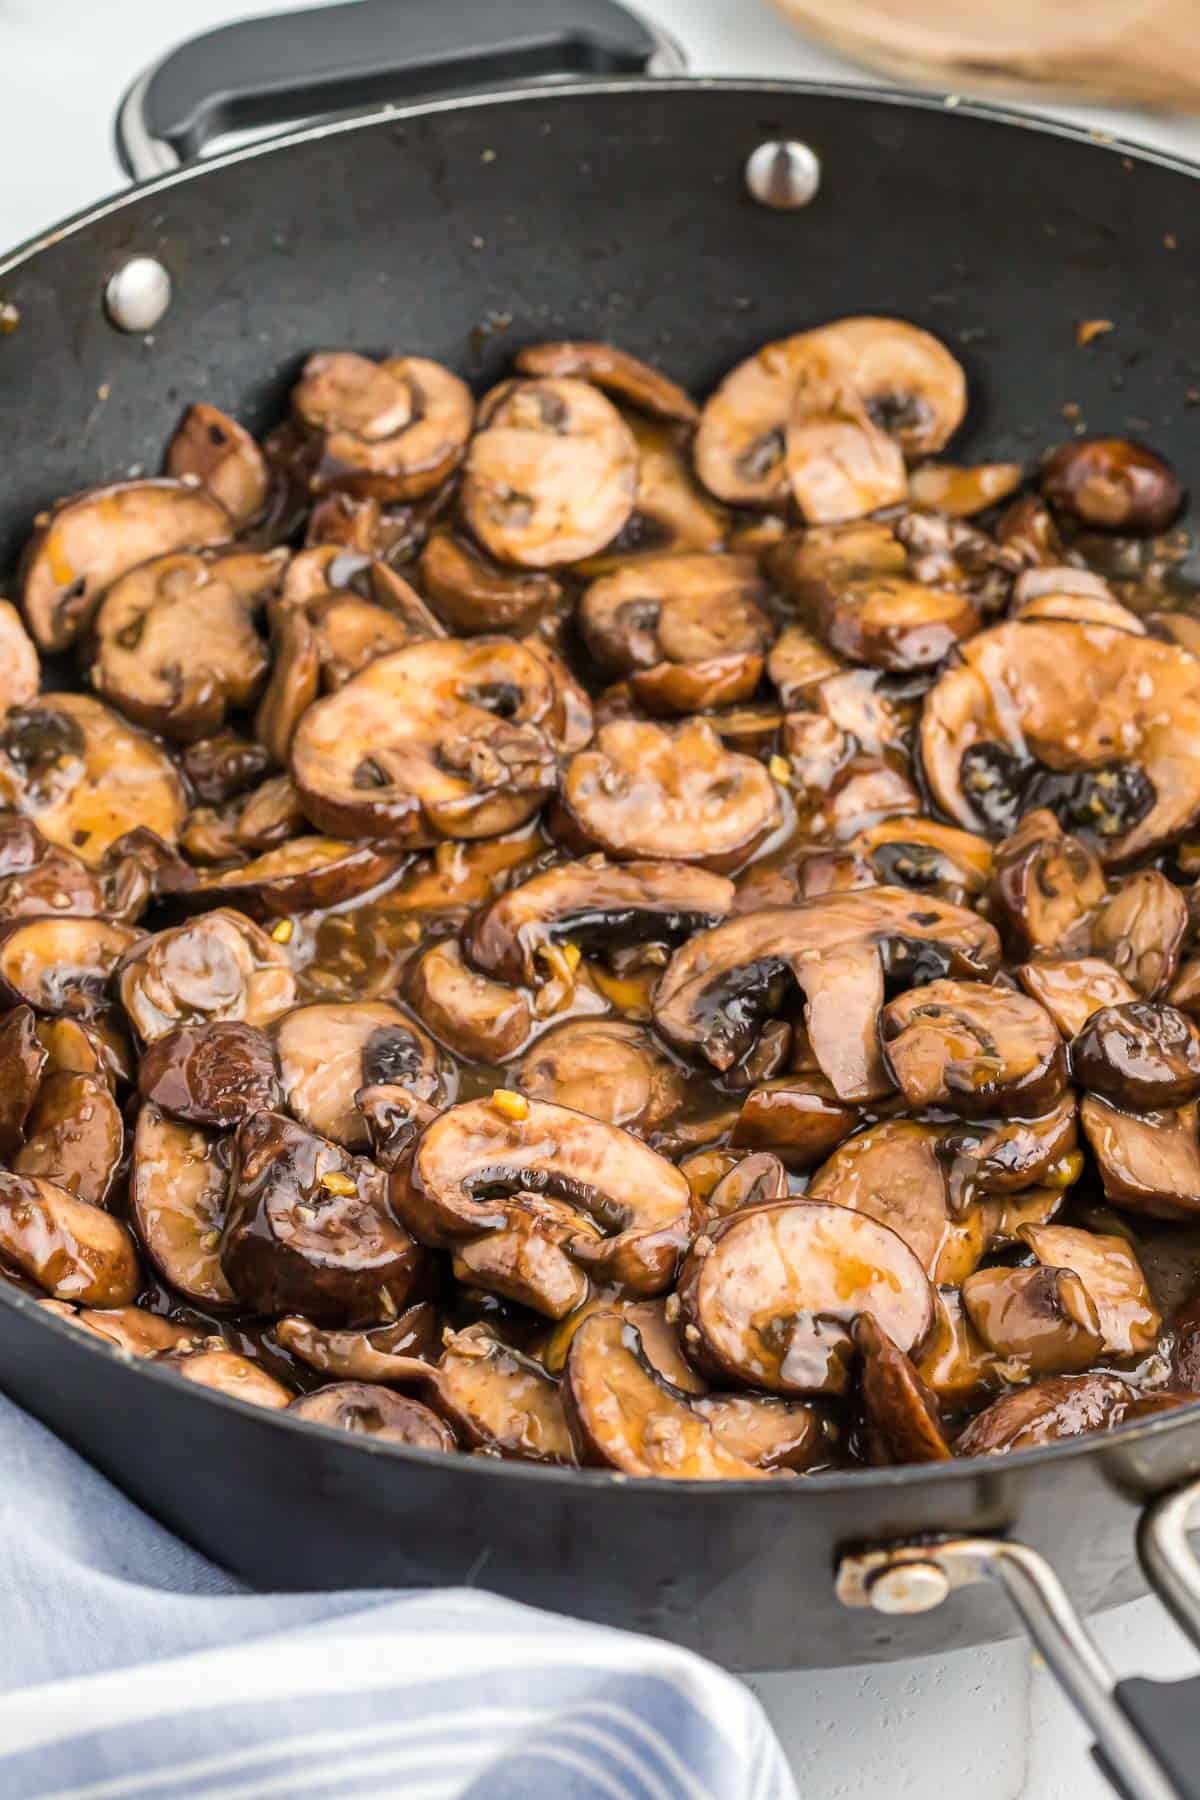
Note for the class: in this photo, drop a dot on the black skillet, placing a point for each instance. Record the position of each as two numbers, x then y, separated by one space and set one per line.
615 209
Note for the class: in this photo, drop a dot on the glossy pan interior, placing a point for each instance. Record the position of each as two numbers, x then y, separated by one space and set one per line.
459 230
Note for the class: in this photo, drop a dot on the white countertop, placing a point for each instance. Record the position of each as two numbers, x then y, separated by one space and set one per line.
988 1724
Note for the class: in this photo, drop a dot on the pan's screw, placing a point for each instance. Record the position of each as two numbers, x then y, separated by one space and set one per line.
783 173
913 1587
138 295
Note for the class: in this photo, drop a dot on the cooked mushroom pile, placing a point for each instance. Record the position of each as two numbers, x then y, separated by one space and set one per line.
579 927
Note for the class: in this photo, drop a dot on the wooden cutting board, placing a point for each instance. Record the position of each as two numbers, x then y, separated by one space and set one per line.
1145 52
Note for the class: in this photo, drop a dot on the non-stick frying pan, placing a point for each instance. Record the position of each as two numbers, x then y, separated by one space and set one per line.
617 208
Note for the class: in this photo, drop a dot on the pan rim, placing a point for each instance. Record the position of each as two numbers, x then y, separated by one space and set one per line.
881 1480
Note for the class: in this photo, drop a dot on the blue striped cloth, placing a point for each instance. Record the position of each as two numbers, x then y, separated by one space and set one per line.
133 1669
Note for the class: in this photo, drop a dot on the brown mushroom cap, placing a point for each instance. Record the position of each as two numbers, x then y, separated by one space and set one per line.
1064 1406
211 1074
60 965
85 777
614 370
1140 1055
228 1373
978 1050
361 1406
74 1136
471 593
893 1173
1011 1154
92 539
329 1051
551 473
645 790
20 670
799 1118
71 1249
1121 738
1045 1317
1045 884
593 1195
751 1181
304 874
1109 1270
1141 929
595 905
449 738
23 1062
893 623
178 1191
608 1068
624 1415
389 431
476 1017
1072 988
768 1296
901 1413
718 988
1113 485
219 966
175 645
962 491
1148 1163
307 1228
221 455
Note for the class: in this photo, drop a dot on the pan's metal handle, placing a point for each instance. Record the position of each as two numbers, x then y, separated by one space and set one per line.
1147 1733
331 59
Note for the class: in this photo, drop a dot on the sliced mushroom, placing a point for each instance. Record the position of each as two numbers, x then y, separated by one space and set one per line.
99 1047
768 1296
799 1118
38 878
219 966
1184 991
921 854
751 1181
471 593
60 965
688 629
1007 1215
178 1192
1148 1163
132 1329
892 623
799 664
23 1062
963 491
92 539
1141 1055
392 430
69 1248
307 1228
74 1136
894 381
375 1411
1088 608
644 790
893 1173
221 767
369 1355
249 825
1129 1322
213 449
1072 988
1114 752
659 1339
954 1363
1046 885
608 1068
305 874
85 777
327 1052
293 685
596 906
20 670
597 1199
476 1017
212 1074
1141 929
450 738
551 474
671 512
175 641
227 1373
975 1049
1043 1317
614 370
394 1118
1065 1406
358 610
719 987
1113 485
902 1417
1012 1154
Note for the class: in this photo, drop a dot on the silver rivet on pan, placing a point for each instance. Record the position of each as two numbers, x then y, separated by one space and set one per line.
138 295
783 173
913 1587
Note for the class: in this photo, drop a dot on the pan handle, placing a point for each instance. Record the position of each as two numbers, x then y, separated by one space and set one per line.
330 59
1146 1733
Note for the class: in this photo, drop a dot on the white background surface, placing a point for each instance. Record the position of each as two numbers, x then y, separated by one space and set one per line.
985 1725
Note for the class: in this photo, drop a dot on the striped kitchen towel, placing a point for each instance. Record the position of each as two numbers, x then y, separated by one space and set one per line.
133 1669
